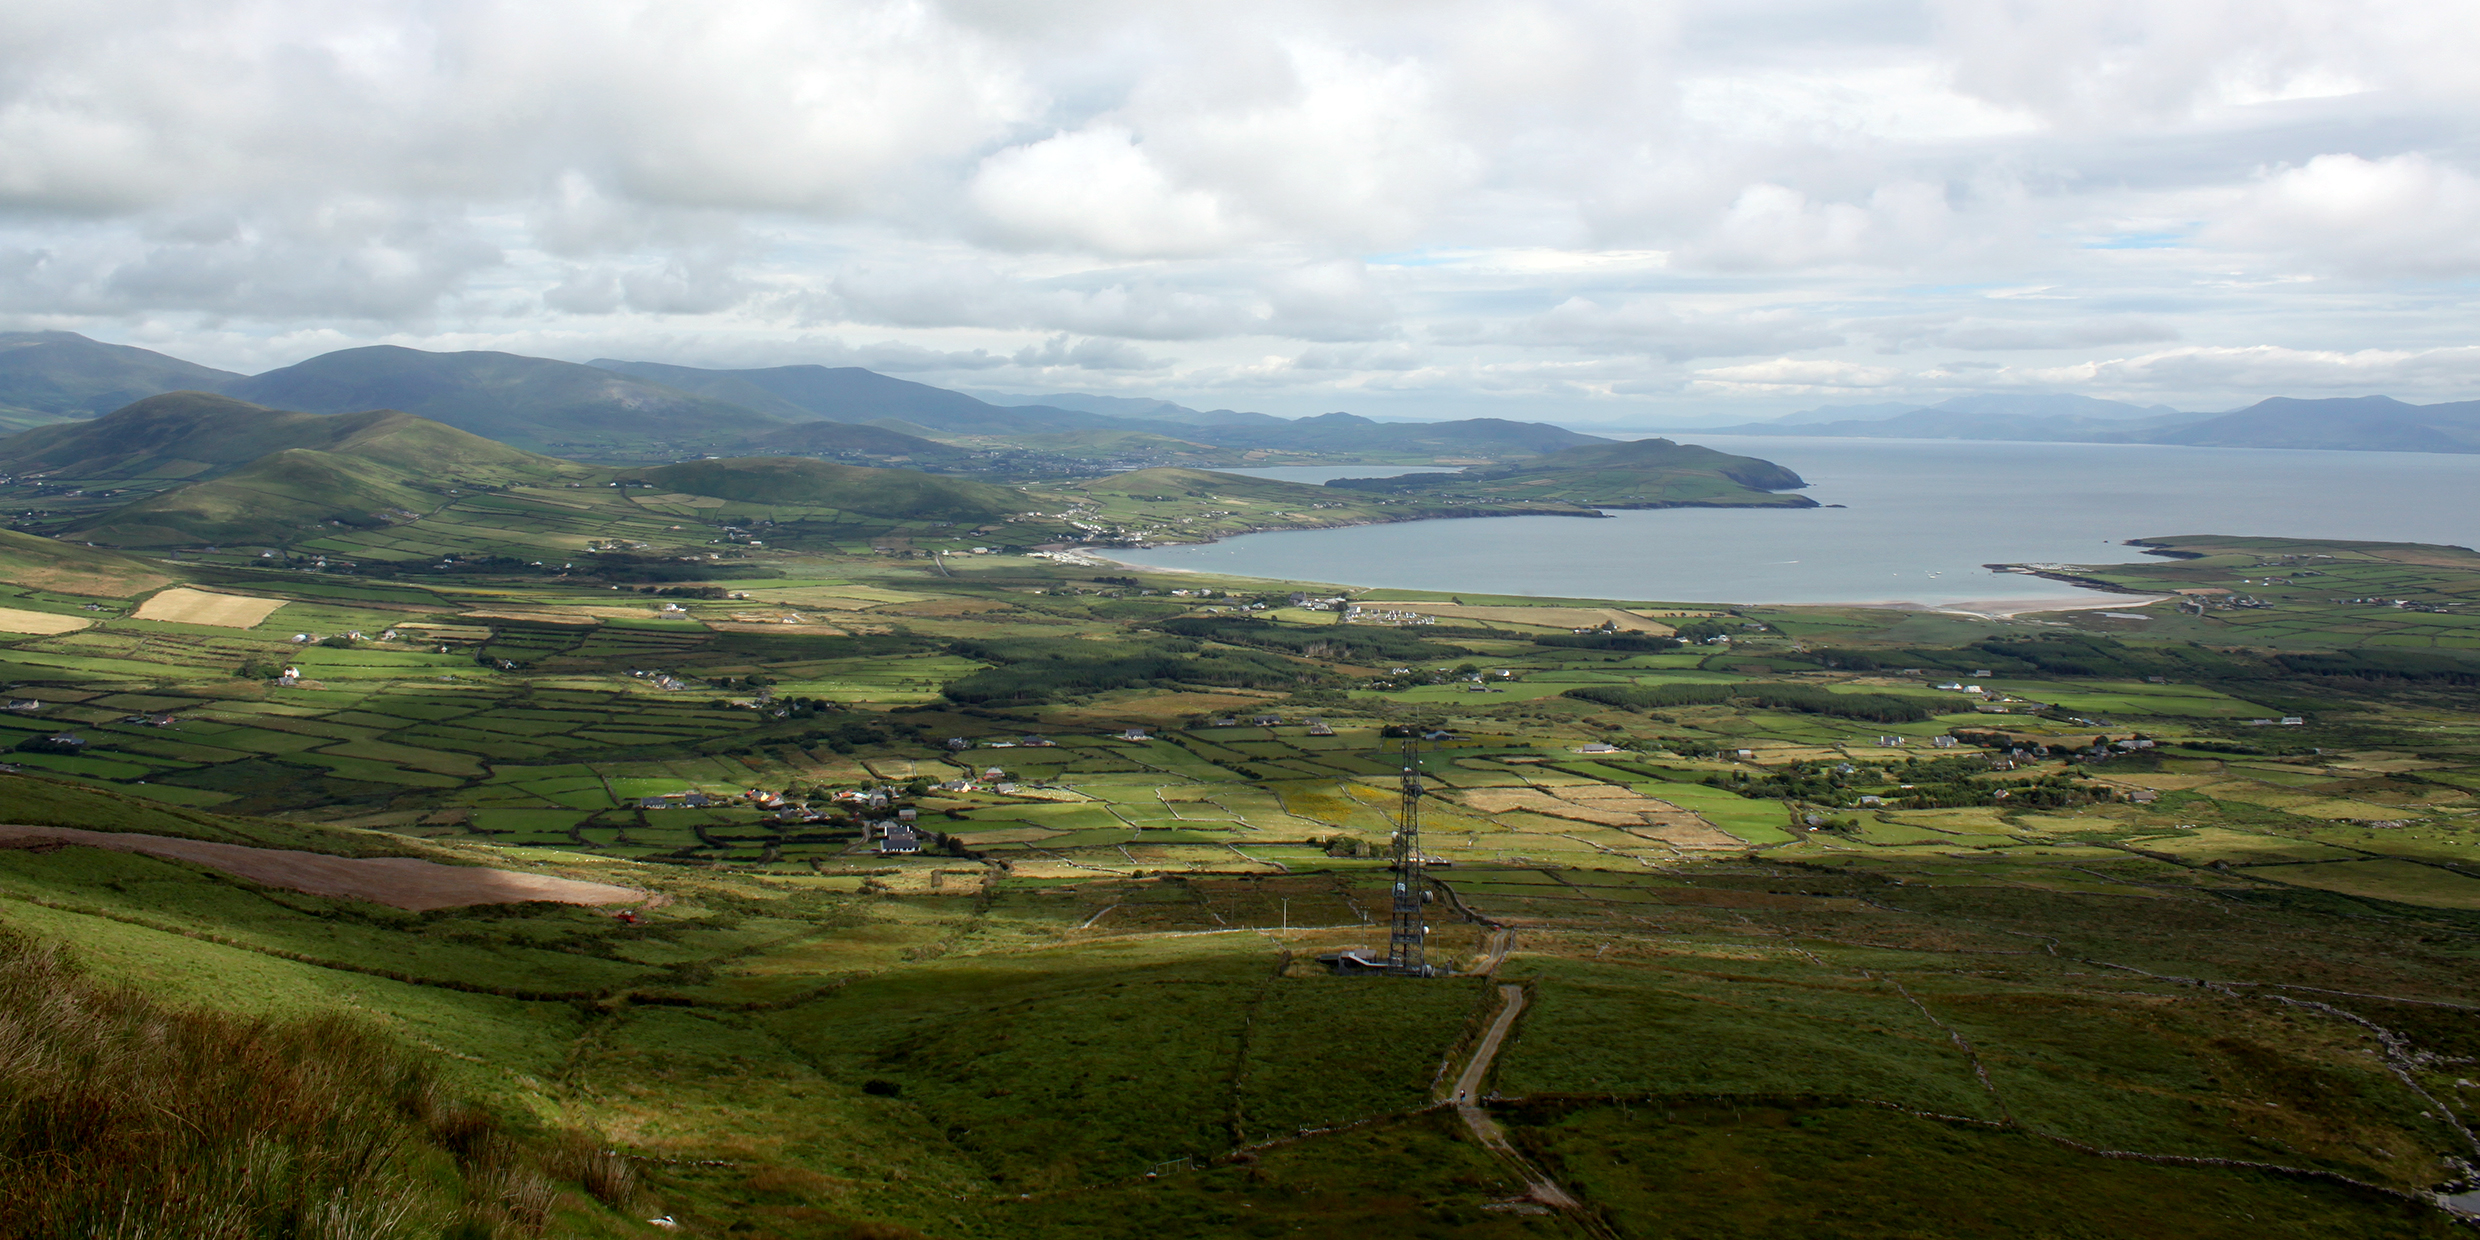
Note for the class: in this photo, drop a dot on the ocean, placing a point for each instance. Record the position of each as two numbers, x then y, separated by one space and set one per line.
1918 521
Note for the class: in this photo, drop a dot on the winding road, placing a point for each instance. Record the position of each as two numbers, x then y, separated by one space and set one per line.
1539 1187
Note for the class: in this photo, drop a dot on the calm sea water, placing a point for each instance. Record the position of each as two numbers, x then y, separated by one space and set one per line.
1921 517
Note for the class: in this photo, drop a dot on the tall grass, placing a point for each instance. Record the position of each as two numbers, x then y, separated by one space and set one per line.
123 1118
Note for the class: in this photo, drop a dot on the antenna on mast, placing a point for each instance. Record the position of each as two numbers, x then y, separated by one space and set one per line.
1406 950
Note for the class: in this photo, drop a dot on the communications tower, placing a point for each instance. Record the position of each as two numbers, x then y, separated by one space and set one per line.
1406 954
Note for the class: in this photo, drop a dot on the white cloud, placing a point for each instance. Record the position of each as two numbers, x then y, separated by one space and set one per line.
1060 352
1978 334
2403 215
1786 374
1569 202
1102 191
1657 329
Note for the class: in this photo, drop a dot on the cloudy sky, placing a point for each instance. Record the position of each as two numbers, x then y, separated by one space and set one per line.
1640 213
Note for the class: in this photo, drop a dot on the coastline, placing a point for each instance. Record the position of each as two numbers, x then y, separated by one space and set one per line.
1985 609
2092 594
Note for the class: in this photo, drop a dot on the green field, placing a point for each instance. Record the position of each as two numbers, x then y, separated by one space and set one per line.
1788 964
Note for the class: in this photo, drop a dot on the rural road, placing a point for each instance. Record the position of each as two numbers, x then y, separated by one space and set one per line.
1537 1186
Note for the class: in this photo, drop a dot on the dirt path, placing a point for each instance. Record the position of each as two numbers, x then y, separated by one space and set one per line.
405 882
1494 948
1537 1186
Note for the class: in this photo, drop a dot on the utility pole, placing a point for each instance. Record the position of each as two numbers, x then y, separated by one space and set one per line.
1406 951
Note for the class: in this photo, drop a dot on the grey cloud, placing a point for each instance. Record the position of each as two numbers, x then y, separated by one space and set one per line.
1991 335
1655 329
359 259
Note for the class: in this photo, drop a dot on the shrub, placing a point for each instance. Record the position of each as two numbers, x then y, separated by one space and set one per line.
1807 699
122 1116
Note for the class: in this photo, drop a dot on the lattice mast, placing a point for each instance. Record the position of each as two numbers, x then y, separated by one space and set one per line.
1405 947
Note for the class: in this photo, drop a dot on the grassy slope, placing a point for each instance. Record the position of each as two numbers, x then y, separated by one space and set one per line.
276 476
1028 1056
970 1065
800 482
71 568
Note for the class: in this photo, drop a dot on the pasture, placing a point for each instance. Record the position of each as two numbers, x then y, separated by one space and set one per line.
182 605
1756 933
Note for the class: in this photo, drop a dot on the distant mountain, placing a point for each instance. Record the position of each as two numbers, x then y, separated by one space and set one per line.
793 482
1988 415
1344 433
2356 424
1141 408
1649 473
2351 424
532 402
49 376
1843 413
2052 405
851 394
1949 424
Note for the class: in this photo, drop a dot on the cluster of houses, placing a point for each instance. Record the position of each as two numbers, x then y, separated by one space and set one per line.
958 744
1372 615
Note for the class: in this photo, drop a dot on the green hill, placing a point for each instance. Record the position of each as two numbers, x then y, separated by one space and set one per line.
199 435
1649 473
75 568
248 474
275 499
1120 445
49 376
800 482
529 401
845 440
1204 483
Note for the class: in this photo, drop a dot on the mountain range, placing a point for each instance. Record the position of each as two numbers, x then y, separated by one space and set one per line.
2356 424
632 410
617 410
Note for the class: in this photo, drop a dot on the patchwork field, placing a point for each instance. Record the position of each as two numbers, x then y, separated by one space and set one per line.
182 605
1812 929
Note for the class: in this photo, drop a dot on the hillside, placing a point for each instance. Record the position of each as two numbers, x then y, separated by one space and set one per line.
198 435
1649 473
274 501
531 402
798 482
1140 408
850 442
851 394
1123 445
75 568
226 471
48 376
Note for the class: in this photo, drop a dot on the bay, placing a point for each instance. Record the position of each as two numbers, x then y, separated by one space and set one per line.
1921 518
